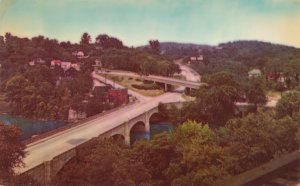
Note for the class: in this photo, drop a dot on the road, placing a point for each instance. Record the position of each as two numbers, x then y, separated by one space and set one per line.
97 83
189 73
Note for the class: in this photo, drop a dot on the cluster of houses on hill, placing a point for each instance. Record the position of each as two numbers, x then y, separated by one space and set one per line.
275 76
69 69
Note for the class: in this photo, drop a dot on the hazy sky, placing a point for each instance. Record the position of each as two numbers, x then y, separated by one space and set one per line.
137 21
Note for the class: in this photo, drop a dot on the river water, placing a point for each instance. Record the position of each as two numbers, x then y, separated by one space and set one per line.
155 128
30 127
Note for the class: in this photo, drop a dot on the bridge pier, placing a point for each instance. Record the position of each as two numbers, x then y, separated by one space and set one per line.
166 87
127 134
48 171
147 122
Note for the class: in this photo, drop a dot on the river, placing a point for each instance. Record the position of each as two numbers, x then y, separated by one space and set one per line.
30 127
155 128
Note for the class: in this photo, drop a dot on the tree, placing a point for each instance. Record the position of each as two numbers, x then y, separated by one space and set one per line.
11 150
213 105
202 160
154 46
128 171
103 162
85 38
14 90
107 42
220 79
155 154
255 93
256 139
289 105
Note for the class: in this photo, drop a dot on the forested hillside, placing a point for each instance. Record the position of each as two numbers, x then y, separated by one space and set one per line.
178 50
241 56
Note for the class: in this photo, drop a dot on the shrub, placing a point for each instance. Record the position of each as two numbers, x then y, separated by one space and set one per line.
147 82
146 86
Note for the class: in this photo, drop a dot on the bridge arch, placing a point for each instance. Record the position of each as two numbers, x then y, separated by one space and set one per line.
138 131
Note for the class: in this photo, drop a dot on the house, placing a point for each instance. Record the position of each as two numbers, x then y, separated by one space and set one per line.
118 96
65 65
74 116
254 73
76 66
78 54
36 61
54 63
276 76
40 61
195 59
31 63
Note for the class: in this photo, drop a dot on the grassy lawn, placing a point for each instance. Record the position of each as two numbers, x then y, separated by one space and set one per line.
274 95
188 98
129 81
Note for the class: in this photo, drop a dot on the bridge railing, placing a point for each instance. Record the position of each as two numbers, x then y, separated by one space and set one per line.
71 125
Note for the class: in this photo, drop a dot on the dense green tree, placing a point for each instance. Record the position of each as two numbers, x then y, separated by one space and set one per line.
217 104
193 154
256 139
128 171
221 79
11 151
155 155
103 163
85 38
255 93
203 160
14 88
154 46
289 105
106 42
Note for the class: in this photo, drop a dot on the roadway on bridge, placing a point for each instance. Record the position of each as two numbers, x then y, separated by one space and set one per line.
52 146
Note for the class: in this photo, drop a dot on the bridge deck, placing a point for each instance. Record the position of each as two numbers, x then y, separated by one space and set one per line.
52 146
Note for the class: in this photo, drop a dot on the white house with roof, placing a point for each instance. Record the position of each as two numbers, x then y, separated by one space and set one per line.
254 73
195 59
65 65
79 54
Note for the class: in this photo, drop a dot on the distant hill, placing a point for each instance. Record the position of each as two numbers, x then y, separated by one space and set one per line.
241 56
176 49
168 45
